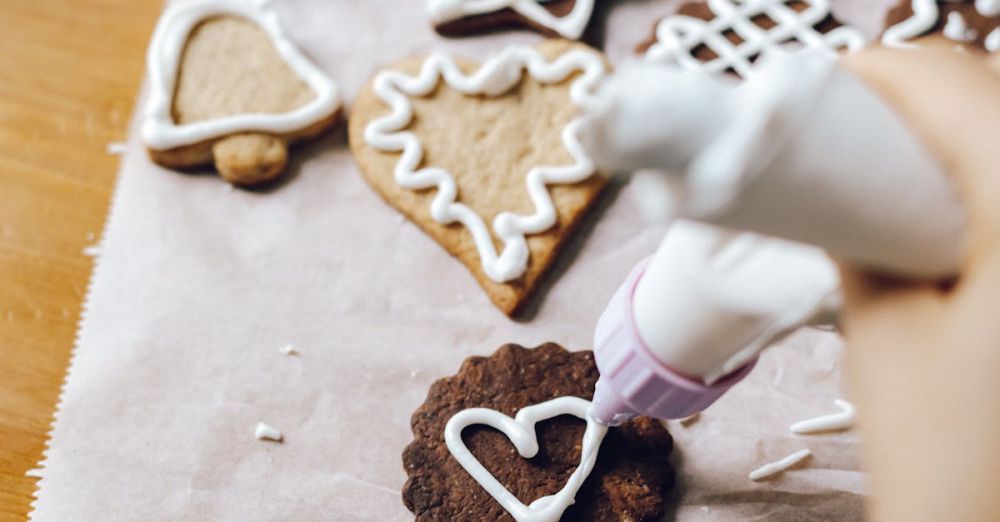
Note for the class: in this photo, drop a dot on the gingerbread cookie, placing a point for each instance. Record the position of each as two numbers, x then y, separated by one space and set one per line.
228 87
974 23
485 158
723 35
565 18
543 457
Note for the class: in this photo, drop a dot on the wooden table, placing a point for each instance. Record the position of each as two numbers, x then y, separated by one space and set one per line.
69 73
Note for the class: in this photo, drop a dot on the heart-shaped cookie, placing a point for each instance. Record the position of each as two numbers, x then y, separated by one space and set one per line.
628 481
565 18
228 87
521 432
485 159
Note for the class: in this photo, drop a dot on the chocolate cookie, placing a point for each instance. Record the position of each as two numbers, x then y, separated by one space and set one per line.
629 481
970 22
695 25
554 18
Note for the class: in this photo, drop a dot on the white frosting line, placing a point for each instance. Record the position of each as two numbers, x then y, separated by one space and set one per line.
842 420
569 26
521 432
266 432
988 7
957 29
774 468
677 36
159 130
992 42
496 76
925 15
34 473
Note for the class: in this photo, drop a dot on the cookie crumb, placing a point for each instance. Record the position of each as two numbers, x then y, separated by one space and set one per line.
288 349
774 468
690 419
267 432
842 420
116 148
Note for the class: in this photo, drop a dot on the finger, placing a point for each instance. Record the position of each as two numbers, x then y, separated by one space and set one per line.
952 101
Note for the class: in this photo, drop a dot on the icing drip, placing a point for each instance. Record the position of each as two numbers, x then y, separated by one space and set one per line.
774 468
494 77
988 7
521 432
925 15
569 26
957 29
992 42
267 432
159 130
842 420
678 35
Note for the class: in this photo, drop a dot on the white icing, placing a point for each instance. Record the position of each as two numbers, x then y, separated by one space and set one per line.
521 432
116 148
569 26
925 15
957 29
842 420
774 468
267 432
159 131
496 76
988 7
992 42
677 36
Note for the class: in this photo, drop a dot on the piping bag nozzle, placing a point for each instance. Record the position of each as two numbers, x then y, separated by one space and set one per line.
634 382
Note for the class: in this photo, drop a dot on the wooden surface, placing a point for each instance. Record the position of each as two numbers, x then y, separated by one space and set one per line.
69 73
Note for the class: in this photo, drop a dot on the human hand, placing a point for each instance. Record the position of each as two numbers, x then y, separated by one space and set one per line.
924 359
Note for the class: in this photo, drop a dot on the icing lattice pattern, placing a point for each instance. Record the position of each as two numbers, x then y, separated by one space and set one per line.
679 36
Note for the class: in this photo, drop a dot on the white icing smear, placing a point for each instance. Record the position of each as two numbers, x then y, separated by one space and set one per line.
988 7
267 432
925 15
494 77
677 36
768 470
159 130
992 42
569 26
521 432
957 29
842 420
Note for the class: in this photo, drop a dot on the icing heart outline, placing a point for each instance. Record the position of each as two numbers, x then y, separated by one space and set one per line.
678 35
494 77
571 25
520 430
159 130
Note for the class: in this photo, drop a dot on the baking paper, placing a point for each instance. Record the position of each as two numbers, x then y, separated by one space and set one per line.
200 286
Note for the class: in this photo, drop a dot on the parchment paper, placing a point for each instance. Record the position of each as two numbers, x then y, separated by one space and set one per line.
199 286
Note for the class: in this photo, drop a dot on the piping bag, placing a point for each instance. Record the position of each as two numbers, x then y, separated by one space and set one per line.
764 179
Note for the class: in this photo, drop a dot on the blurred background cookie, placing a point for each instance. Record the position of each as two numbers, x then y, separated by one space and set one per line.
228 88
